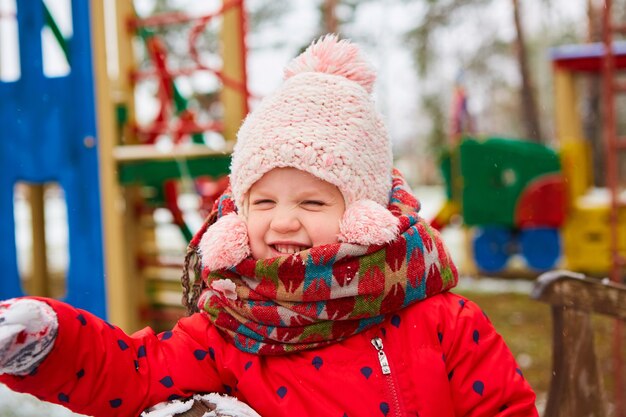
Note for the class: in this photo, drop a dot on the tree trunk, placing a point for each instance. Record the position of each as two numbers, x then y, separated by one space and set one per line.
591 117
529 107
331 25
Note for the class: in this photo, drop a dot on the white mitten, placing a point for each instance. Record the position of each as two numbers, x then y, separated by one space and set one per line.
27 332
202 405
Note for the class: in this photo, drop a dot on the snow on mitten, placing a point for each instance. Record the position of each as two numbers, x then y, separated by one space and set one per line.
28 329
202 405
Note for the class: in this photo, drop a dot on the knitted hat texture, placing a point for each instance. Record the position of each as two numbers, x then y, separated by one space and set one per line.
322 120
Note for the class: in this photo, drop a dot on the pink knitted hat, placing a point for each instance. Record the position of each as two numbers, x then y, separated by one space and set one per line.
322 120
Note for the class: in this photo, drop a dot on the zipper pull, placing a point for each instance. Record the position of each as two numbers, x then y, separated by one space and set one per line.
382 358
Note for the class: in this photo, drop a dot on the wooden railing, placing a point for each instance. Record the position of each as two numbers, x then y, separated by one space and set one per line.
577 388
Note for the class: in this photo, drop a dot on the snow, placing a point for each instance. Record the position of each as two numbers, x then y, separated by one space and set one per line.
13 404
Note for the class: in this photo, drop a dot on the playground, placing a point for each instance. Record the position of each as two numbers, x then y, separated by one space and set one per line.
111 160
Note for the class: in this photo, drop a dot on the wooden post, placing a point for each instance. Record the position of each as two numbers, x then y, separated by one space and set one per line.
576 389
112 88
39 280
234 100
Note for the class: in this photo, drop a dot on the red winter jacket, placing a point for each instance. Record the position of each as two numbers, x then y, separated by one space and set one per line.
444 359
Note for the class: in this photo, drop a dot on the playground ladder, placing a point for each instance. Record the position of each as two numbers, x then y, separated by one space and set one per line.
614 144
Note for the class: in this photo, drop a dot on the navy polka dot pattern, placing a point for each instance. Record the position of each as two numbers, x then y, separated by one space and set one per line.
141 352
167 382
317 362
115 403
478 387
462 340
200 354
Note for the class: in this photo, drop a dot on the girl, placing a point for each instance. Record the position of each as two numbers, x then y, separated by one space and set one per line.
320 292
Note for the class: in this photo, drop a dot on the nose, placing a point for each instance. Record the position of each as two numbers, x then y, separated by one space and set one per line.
285 221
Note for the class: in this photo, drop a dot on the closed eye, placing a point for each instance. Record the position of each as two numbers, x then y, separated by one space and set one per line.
314 203
262 202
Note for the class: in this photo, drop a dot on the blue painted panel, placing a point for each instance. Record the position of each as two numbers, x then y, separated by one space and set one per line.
44 122
492 248
541 247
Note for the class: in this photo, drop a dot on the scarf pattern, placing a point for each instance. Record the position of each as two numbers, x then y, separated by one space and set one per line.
327 293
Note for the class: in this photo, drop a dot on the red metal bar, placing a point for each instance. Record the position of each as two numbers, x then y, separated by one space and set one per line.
612 180
620 143
619 87
179 18
186 124
618 29
196 30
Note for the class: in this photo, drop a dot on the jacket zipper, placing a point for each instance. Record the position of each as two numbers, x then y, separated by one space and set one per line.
377 342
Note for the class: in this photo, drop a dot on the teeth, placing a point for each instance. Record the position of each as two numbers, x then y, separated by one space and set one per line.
288 249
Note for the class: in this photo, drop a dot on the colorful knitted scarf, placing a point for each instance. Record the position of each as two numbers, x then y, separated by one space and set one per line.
327 293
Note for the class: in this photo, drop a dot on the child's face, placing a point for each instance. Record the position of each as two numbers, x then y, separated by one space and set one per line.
291 210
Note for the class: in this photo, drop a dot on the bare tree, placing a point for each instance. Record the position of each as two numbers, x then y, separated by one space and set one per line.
591 116
529 105
329 16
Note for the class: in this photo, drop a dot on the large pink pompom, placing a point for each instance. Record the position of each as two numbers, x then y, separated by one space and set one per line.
366 222
330 55
225 243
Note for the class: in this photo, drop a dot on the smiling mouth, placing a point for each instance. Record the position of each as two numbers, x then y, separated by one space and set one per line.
288 249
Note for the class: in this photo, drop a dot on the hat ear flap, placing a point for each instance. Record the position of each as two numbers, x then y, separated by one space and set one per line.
225 243
366 222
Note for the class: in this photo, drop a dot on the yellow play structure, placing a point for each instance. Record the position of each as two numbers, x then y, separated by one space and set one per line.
587 231
131 253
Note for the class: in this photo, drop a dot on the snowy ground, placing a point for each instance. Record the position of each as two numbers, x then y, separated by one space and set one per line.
22 405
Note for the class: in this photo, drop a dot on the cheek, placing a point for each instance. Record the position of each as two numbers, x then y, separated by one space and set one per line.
255 231
255 238
324 230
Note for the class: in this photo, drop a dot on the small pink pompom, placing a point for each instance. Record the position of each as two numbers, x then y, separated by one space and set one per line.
225 243
332 56
366 222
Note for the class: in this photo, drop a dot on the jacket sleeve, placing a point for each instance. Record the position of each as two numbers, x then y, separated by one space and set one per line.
485 379
96 369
